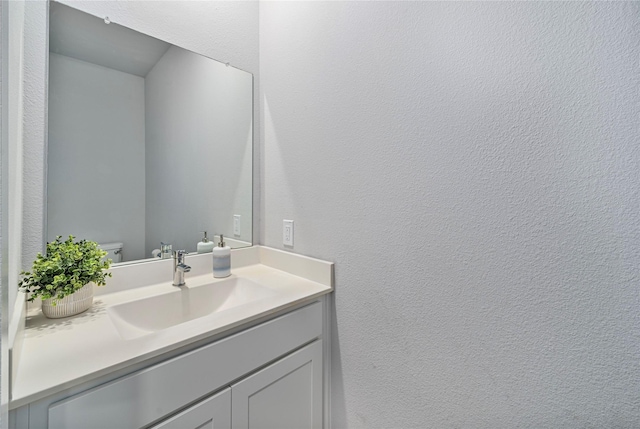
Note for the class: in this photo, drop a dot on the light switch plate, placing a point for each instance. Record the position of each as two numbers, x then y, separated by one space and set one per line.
236 225
287 232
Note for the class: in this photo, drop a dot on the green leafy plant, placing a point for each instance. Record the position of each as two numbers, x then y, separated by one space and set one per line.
66 267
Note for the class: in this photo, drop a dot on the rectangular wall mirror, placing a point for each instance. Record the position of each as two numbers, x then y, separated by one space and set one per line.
147 142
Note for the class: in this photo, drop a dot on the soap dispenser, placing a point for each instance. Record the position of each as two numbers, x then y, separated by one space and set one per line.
205 246
221 259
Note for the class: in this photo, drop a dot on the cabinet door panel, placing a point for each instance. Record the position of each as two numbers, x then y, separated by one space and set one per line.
211 413
284 395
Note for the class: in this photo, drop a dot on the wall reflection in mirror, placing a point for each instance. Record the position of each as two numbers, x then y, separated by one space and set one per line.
147 142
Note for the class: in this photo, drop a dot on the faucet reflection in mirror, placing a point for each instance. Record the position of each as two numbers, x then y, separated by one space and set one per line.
135 126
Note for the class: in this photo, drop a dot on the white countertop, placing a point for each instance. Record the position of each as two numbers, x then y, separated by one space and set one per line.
57 354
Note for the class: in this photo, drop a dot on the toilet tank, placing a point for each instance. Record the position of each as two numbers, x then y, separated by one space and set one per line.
114 251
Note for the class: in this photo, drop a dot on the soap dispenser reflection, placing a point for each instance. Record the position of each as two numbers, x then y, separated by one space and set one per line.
206 245
221 259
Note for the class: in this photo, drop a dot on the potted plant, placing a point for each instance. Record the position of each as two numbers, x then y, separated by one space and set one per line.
65 276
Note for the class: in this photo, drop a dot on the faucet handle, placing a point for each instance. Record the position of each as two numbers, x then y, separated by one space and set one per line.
179 255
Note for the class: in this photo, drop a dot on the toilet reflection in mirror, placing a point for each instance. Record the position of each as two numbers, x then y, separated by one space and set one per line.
147 142
114 251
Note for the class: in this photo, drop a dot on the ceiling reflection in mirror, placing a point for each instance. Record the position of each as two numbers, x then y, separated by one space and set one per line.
148 143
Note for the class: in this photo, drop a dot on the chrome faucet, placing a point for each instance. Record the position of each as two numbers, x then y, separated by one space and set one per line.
179 267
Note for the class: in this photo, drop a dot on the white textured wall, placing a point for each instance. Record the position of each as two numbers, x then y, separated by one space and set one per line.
34 132
4 211
96 155
15 116
198 150
474 171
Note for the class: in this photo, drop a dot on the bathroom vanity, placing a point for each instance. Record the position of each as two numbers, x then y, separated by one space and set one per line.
255 359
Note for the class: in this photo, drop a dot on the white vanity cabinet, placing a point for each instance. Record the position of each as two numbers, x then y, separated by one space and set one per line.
267 376
287 394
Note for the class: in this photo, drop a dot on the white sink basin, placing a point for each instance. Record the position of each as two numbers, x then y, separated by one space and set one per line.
143 316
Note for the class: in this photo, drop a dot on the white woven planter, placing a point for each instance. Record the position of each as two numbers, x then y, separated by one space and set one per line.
72 304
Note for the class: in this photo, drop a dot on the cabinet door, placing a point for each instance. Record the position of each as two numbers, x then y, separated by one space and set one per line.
284 395
211 413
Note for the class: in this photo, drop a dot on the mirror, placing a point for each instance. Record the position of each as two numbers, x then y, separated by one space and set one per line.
147 142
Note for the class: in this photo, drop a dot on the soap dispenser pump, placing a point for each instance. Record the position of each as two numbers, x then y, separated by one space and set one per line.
206 245
221 259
